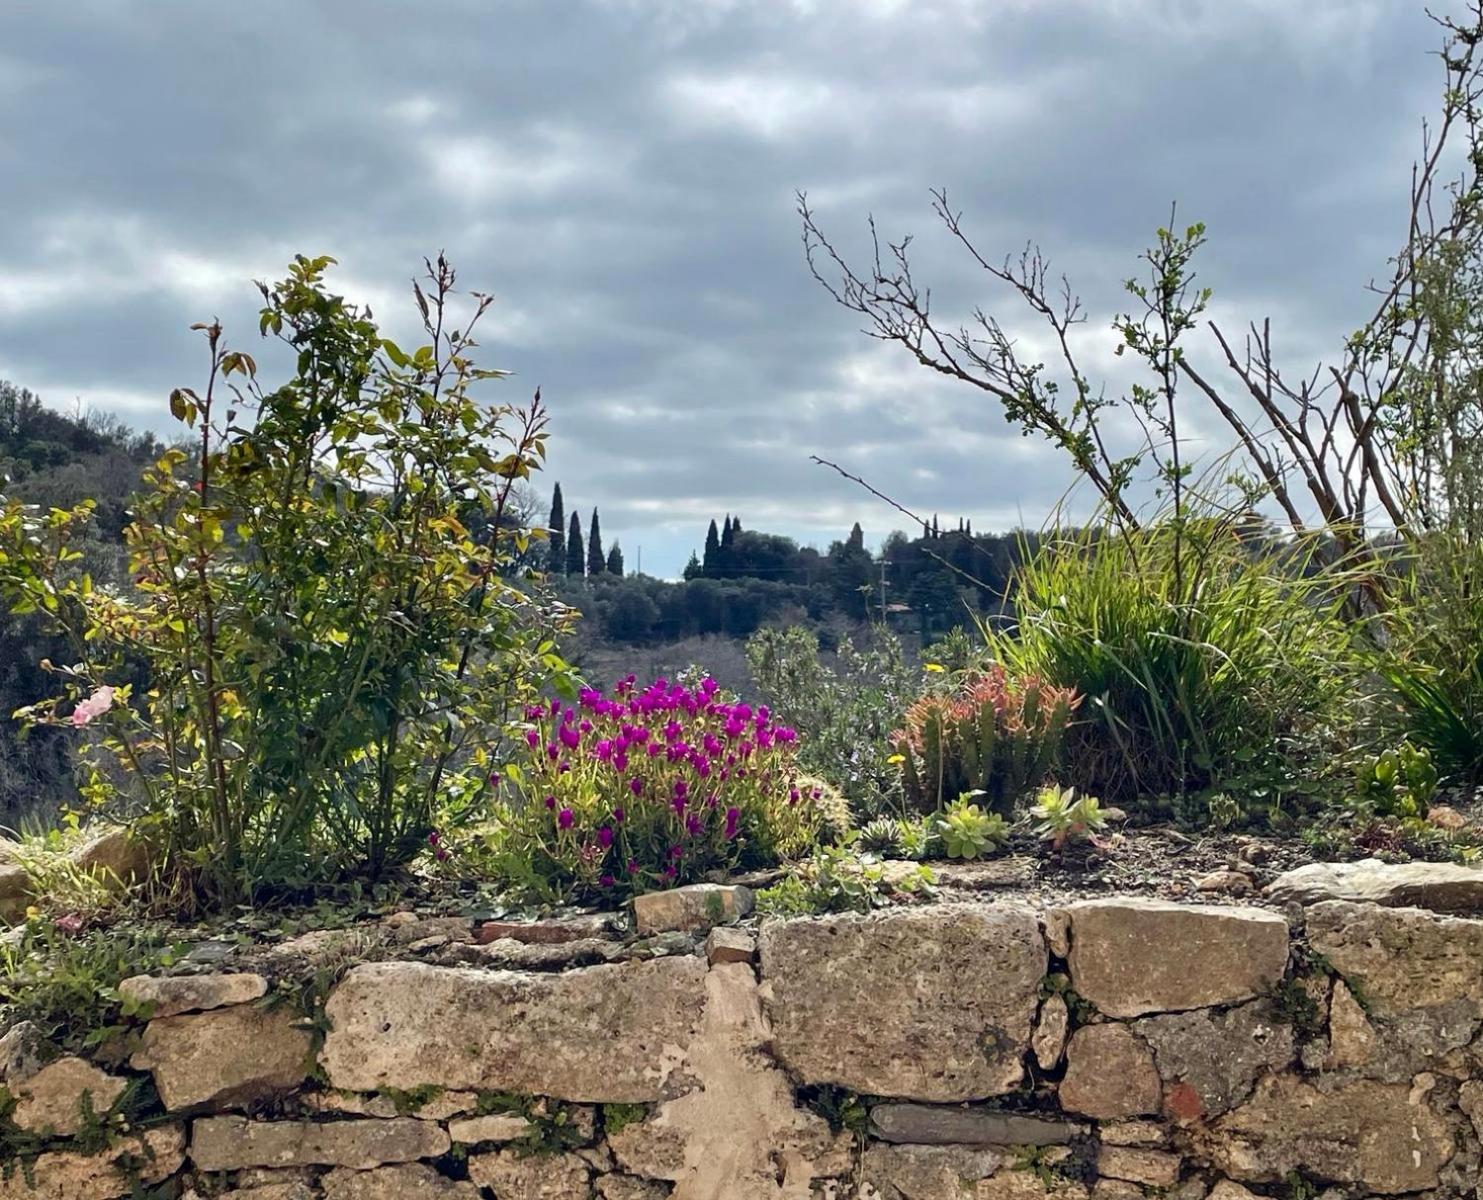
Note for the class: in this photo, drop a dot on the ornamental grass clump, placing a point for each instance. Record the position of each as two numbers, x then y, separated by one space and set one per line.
993 735
652 788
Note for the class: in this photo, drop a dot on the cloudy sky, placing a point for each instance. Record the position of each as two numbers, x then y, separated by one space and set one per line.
621 173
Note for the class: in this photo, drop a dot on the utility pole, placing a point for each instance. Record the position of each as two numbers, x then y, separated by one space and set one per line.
639 570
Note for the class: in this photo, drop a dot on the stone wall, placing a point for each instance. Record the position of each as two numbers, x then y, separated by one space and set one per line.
1110 1049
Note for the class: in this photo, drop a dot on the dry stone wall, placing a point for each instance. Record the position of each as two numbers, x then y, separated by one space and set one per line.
1108 1050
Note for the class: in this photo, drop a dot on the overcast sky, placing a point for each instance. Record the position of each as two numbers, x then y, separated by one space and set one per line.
620 174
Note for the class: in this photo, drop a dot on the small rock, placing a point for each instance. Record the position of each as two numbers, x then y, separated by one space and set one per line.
450 929
1049 1039
16 893
23 1050
117 1171
698 906
173 994
627 1187
231 1143
545 933
354 1103
930 1171
540 956
1110 1074
1351 1036
51 1100
515 1176
427 944
724 944
1154 1168
1057 926
1231 882
1444 816
113 855
1116 1189
410 1181
497 1127
927 1125
1132 1133
1227 1190
198 1058
1441 887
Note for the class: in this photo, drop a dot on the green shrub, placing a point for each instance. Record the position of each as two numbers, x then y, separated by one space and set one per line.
845 713
991 735
1203 661
1432 663
833 881
332 653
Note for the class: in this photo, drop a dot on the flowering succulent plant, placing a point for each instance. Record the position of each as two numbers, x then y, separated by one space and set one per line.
637 789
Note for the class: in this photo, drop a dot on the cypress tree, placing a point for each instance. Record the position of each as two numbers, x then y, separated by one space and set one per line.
857 537
597 561
556 556
615 561
693 569
574 548
712 558
727 533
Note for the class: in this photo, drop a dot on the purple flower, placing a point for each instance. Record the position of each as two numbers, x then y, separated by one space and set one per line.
570 738
793 795
606 881
633 866
565 818
555 707
550 801
733 819
620 760
605 837
694 825
618 815
532 738
635 785
553 751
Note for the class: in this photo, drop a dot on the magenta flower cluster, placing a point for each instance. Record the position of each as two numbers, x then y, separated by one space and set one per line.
655 786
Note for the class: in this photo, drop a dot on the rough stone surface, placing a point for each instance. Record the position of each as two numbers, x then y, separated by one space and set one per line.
112 855
293 1189
959 1032
737 1133
1441 887
1383 1135
497 1127
23 1050
550 932
68 1175
723 945
1351 1036
1024 1185
1133 956
626 1187
1132 1133
928 1172
522 1177
411 1181
1220 1055
1110 1074
174 994
1152 1167
609 1033
15 891
198 1058
698 906
1228 1190
51 1100
1400 958
1049 1039
928 1125
231 1143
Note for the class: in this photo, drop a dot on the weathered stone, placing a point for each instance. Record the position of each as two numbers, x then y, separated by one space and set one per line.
1116 1189
958 1032
1351 1036
626 1187
447 1104
1470 1100
608 1034
1057 926
291 1189
351 1103
1400 958
1024 1185
928 1172
496 1127
23 1050
231 1143
1231 883
724 944
523 1177
1110 1074
1133 956
1441 887
1132 1133
737 1133
698 906
16 892
68 1175
1152 1167
1382 1135
112 855
550 932
928 1125
1227 1190
174 994
51 1100
422 929
1049 1039
537 956
198 1058
410 1181
1218 1054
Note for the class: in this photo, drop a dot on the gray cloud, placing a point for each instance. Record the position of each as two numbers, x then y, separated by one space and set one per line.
620 174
